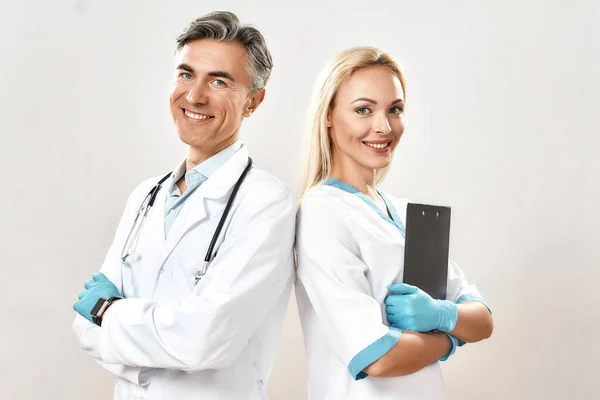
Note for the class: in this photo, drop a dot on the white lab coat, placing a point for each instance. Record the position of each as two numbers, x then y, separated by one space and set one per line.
171 339
347 256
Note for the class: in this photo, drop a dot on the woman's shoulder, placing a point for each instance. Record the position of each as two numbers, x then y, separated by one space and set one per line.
324 195
323 215
324 201
333 200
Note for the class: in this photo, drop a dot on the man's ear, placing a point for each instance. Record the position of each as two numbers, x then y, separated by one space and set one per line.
254 100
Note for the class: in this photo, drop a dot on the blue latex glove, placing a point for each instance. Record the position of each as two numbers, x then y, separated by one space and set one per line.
97 287
454 344
410 308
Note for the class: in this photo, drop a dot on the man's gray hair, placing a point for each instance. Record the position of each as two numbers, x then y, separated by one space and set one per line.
225 26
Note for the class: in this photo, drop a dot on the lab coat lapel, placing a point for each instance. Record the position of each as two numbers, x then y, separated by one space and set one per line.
156 225
192 212
215 187
151 245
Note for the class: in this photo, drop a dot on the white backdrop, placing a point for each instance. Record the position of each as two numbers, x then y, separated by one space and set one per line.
502 125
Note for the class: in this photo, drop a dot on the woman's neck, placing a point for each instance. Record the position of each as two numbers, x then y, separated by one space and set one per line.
355 175
359 177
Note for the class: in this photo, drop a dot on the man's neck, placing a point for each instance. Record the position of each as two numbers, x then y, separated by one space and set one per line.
197 155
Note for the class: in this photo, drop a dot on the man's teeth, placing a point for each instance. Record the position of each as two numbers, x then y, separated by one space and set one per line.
195 116
377 146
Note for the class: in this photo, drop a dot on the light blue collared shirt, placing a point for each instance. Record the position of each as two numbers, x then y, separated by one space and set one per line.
193 179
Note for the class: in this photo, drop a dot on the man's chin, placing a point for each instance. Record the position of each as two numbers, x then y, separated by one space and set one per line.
191 139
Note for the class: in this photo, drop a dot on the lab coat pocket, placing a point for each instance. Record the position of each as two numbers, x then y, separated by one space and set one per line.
122 389
385 262
259 383
181 272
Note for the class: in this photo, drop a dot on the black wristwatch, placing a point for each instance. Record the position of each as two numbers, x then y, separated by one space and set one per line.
100 308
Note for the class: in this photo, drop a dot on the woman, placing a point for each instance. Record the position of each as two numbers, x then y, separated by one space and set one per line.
359 320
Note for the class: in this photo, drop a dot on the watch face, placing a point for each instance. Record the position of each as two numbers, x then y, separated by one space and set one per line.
97 307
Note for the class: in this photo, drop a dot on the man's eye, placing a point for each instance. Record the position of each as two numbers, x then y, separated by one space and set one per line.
186 75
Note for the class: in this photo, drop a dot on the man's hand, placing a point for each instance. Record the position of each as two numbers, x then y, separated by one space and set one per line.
97 287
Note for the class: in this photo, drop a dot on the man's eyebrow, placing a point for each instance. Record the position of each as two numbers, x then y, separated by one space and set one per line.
185 67
214 74
221 74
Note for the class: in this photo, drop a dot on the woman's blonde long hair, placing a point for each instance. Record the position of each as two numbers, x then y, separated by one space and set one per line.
318 148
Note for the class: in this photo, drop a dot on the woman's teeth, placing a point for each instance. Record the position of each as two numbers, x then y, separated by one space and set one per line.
377 146
195 116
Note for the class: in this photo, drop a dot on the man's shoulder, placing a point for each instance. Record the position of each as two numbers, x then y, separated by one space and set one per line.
144 187
261 182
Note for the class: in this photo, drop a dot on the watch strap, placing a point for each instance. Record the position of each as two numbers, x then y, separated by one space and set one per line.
100 308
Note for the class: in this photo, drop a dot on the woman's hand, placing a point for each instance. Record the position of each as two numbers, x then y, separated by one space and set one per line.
410 308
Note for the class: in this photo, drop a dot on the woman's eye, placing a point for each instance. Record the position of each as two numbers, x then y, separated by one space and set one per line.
363 110
396 110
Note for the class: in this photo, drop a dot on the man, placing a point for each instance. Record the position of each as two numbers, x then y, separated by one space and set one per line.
168 328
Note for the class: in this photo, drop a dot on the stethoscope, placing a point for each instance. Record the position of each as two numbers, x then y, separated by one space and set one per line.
134 234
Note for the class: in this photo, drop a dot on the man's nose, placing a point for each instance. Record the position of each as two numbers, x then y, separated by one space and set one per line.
197 94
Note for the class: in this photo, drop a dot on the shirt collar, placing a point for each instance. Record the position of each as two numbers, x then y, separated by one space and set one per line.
204 170
209 166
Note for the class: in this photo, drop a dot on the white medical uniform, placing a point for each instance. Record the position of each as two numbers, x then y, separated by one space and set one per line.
348 252
172 339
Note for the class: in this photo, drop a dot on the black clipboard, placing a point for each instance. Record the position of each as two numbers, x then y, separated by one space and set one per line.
426 248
